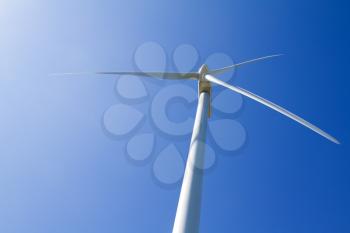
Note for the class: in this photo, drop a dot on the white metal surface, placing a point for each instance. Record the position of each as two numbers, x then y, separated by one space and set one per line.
273 106
188 209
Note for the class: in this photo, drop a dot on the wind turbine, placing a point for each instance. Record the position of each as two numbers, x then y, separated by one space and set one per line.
188 209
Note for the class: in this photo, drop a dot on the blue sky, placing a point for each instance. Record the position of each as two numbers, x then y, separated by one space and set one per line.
59 172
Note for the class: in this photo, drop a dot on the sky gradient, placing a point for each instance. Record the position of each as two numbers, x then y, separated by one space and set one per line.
60 172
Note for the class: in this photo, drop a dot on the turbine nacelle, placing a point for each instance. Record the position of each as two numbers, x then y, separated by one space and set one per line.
204 84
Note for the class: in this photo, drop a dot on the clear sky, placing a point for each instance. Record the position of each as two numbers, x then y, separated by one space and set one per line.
61 171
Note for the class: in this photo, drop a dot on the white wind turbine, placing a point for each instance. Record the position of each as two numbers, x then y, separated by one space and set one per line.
188 209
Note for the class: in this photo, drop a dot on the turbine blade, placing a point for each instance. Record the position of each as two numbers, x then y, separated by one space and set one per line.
273 106
161 75
227 68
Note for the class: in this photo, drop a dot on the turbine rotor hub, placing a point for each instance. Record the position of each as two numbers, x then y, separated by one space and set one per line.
203 70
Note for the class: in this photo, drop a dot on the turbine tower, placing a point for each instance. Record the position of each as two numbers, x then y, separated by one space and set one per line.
187 216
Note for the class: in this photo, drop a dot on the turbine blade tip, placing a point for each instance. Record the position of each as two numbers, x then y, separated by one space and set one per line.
278 55
336 141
